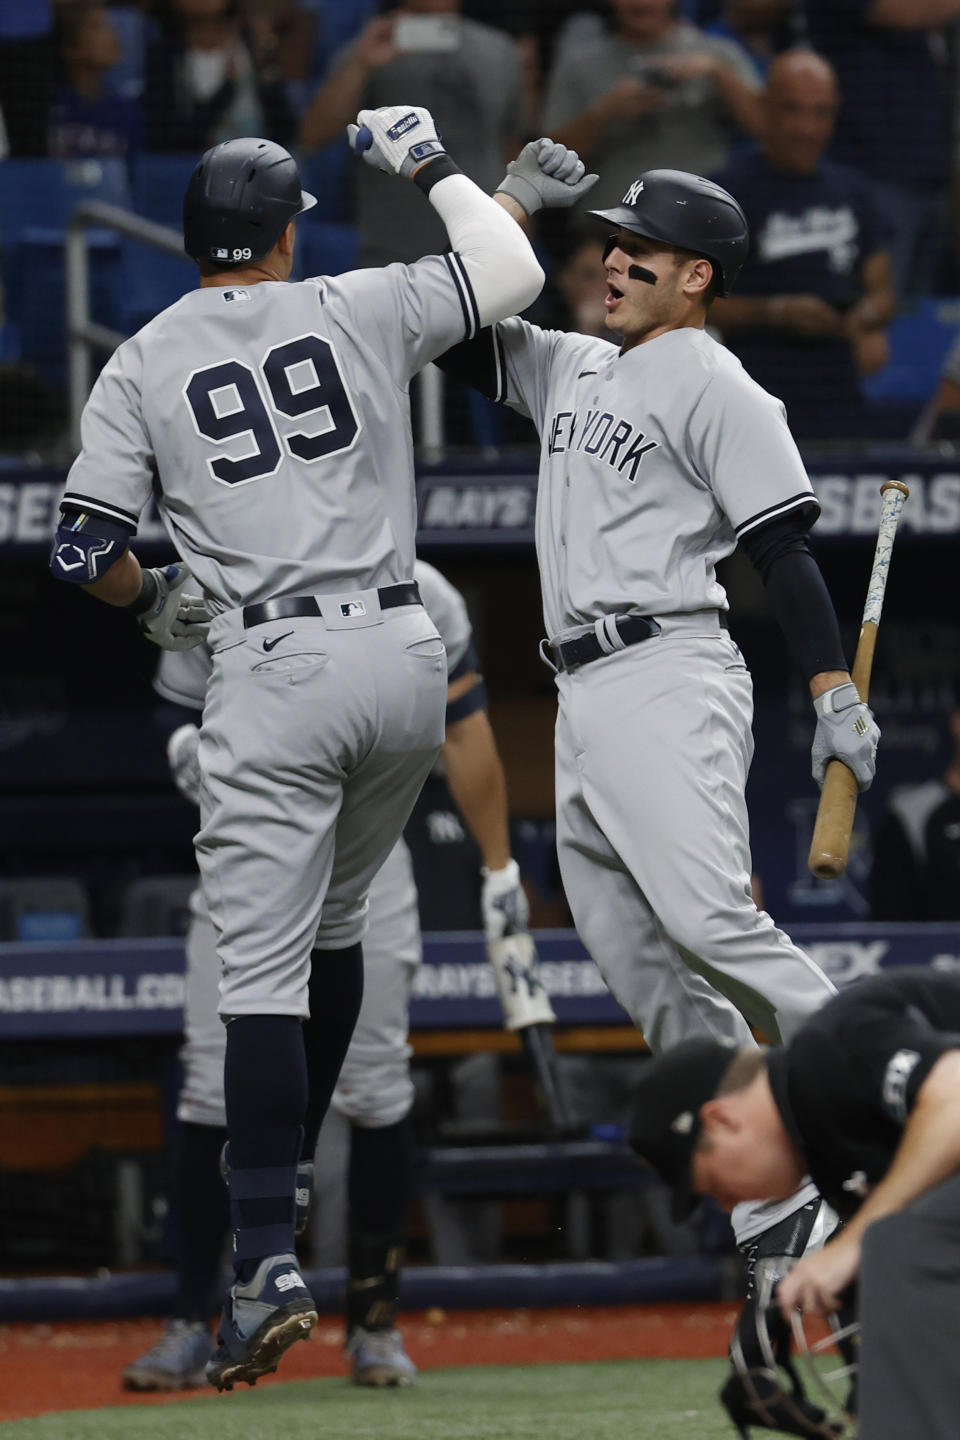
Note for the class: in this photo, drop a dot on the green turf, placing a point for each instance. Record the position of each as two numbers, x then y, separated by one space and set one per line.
615 1400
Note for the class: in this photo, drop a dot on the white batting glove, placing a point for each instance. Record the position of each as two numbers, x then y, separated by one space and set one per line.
511 951
503 903
546 173
847 731
395 138
523 995
183 757
175 620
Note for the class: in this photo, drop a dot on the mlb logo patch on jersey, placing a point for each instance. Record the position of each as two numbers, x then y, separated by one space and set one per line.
236 295
350 608
405 123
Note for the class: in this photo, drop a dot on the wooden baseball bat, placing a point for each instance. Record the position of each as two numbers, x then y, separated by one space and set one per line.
838 800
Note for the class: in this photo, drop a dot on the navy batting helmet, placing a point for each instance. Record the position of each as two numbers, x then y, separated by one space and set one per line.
239 199
686 210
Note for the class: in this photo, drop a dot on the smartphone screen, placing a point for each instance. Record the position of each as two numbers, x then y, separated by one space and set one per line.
427 32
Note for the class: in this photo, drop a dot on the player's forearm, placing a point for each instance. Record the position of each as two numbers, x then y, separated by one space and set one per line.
122 583
912 14
514 209
335 103
744 104
504 273
475 775
929 1151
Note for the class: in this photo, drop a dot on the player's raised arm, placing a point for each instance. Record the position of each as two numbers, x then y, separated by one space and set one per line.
545 175
503 275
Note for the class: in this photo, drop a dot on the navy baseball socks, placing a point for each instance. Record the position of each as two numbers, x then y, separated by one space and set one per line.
381 1164
269 1307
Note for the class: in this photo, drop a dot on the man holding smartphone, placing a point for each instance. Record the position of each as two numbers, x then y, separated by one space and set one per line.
652 93
467 74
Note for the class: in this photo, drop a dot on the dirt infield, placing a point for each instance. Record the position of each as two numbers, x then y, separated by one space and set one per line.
77 1366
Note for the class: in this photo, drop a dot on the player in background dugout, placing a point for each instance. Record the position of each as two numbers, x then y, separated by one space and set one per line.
916 847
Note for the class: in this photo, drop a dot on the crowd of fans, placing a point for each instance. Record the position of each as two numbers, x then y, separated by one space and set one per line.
831 120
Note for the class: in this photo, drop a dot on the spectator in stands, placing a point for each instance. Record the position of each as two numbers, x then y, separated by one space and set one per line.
469 77
655 92
27 67
573 298
762 28
940 418
209 79
916 847
894 119
88 117
812 300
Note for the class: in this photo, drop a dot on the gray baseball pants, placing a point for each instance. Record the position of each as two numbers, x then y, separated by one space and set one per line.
313 749
653 746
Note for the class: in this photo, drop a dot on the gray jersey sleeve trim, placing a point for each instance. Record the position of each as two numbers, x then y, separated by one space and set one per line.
112 512
772 511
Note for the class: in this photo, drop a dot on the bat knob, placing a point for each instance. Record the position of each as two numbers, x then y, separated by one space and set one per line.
363 139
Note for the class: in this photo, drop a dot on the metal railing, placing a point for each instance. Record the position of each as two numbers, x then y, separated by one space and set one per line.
85 336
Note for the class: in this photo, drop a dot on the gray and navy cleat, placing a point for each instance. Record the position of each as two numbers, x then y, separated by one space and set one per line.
377 1358
176 1362
261 1319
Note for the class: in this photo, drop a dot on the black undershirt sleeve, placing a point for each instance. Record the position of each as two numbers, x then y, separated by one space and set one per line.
478 363
797 593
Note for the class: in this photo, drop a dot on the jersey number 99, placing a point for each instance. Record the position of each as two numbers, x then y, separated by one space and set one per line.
303 378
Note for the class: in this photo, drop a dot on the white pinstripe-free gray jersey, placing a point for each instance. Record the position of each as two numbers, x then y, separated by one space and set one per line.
653 463
182 675
276 419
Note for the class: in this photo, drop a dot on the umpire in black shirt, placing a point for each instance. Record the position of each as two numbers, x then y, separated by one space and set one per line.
866 1100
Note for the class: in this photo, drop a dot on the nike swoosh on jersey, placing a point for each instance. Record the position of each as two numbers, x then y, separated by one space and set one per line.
586 372
268 645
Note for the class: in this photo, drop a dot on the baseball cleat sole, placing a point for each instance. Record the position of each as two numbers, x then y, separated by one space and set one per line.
275 1336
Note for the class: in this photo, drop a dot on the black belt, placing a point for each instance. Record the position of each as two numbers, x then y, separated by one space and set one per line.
632 629
390 596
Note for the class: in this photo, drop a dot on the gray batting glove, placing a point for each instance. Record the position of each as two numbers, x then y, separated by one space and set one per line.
395 138
847 731
546 173
175 620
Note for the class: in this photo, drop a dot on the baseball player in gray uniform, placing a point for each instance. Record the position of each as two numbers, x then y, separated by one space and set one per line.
656 461
271 420
374 1091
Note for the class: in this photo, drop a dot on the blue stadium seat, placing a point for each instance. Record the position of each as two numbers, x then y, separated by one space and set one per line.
37 198
43 908
328 176
919 341
42 194
158 185
324 248
151 282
